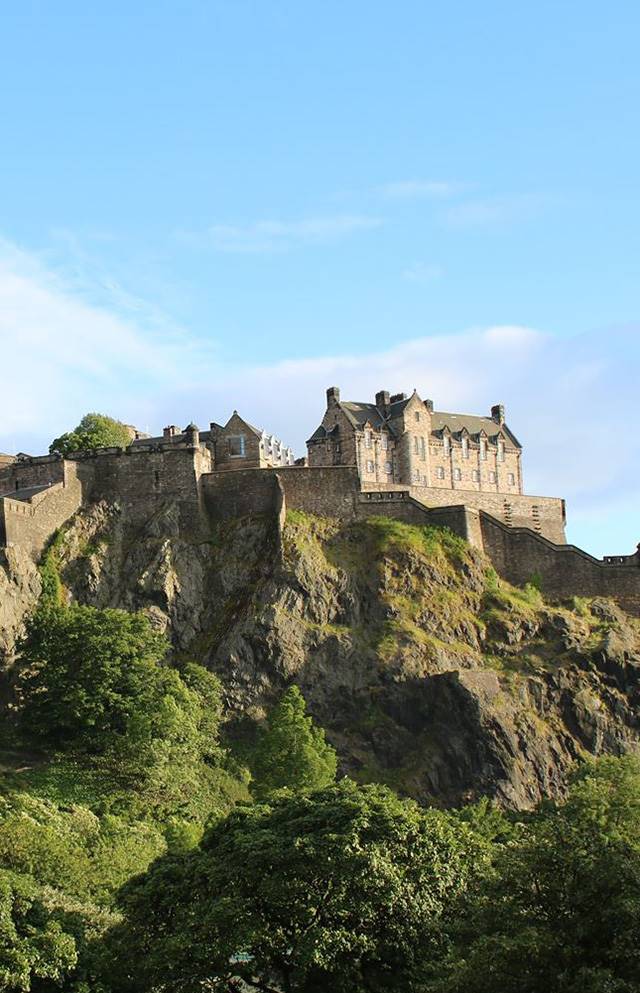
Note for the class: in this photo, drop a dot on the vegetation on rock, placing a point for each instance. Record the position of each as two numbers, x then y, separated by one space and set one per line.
138 852
94 431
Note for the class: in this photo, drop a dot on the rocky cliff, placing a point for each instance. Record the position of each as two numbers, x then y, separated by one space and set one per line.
426 671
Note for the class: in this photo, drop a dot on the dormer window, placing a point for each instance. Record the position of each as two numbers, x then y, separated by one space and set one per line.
368 439
236 446
384 441
465 447
446 444
500 451
483 449
417 415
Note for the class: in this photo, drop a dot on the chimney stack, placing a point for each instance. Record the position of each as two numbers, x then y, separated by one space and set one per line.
429 405
333 396
497 413
170 431
382 402
398 396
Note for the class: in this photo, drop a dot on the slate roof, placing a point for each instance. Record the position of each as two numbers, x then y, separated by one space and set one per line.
472 422
359 414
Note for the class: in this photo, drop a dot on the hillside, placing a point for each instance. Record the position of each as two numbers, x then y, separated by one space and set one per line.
427 672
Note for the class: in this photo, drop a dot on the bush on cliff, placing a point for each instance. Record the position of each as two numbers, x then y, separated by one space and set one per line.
292 752
93 681
93 431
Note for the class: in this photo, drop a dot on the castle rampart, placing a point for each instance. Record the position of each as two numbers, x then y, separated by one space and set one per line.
519 555
32 514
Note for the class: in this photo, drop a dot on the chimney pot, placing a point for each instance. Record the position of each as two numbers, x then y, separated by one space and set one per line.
333 395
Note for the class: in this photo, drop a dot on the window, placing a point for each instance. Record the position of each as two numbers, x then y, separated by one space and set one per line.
501 451
483 449
369 466
465 448
440 472
387 467
512 479
446 444
475 476
417 415
236 446
384 441
416 445
457 474
492 477
416 476
423 451
368 439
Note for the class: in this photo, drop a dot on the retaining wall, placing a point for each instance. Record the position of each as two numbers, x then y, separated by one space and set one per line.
30 523
519 554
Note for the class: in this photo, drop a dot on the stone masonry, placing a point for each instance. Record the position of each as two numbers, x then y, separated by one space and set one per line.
397 457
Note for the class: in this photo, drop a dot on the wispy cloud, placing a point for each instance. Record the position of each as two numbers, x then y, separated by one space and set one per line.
63 355
415 189
496 210
423 272
278 236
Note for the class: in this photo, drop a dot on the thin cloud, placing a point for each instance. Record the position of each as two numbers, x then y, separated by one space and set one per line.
64 355
423 272
278 236
493 211
415 189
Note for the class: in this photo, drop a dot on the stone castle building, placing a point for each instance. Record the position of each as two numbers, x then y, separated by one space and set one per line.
234 445
403 440
397 456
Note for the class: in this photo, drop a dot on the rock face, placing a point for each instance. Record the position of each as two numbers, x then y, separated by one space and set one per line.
426 671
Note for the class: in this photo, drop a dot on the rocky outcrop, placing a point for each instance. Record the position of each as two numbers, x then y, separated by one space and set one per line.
426 671
19 592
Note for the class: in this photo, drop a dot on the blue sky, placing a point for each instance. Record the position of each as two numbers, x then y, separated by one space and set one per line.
211 205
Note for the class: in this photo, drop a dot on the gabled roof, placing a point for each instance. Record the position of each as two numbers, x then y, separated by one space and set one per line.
256 431
321 432
360 413
473 424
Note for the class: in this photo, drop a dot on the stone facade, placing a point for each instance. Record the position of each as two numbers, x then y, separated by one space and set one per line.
400 439
234 445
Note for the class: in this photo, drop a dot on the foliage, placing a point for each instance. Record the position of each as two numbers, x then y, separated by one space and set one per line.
90 676
292 752
561 911
338 890
94 431
33 944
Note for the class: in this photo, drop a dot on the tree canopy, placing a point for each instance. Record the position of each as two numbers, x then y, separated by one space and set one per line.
93 431
292 752
337 890
561 909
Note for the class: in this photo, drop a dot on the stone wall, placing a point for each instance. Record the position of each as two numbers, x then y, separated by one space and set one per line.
519 554
30 523
242 493
544 515
38 471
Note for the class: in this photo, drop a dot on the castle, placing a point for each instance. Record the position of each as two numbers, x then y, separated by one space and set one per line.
397 456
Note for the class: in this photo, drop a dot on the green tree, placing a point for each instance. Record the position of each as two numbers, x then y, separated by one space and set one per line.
91 676
561 912
292 752
338 890
93 431
33 944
